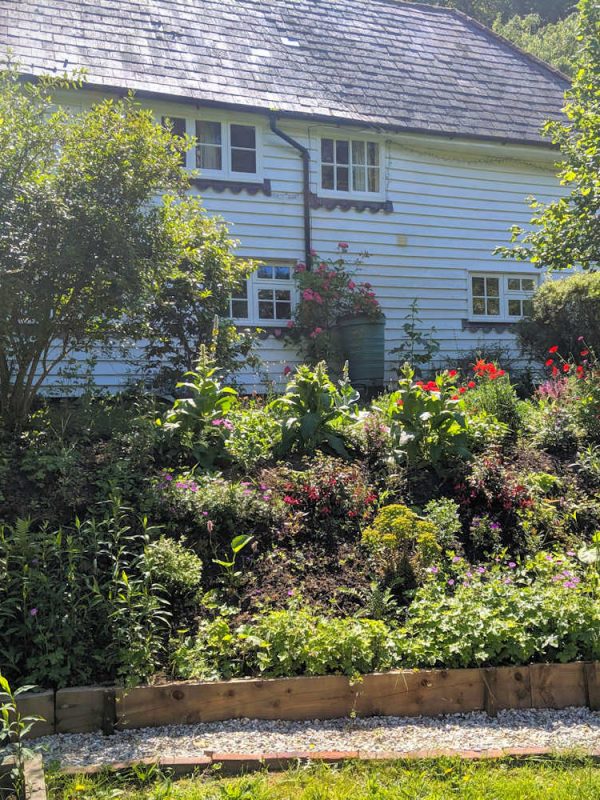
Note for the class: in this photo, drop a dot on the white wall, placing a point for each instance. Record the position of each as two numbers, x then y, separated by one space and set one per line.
454 202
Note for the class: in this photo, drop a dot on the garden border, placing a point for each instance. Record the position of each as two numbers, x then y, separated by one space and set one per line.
398 693
33 769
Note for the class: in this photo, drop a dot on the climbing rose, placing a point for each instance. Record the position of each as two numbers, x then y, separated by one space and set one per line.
553 349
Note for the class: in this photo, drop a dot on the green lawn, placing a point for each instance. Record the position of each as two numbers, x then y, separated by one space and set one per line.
554 779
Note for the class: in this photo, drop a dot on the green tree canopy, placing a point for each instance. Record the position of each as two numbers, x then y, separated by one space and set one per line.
565 234
94 220
553 42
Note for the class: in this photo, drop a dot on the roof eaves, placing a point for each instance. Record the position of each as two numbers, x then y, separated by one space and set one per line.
330 119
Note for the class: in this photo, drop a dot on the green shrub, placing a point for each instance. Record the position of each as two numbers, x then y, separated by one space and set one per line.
288 642
173 566
314 412
254 437
495 398
562 311
76 603
444 514
404 543
504 614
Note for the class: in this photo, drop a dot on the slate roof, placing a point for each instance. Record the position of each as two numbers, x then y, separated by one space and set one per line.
380 62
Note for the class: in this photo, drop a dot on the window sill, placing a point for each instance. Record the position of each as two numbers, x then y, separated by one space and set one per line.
251 187
276 330
345 204
483 325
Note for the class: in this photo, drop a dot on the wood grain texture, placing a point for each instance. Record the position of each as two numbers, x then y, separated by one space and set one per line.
38 704
507 687
80 709
592 677
35 782
326 697
411 693
558 685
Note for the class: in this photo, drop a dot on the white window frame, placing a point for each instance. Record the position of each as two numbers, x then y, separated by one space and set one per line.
351 193
504 294
226 173
255 283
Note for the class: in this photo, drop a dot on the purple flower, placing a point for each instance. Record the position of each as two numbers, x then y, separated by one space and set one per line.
290 593
569 584
494 526
507 580
512 564
549 558
481 570
468 574
451 582
168 477
570 552
33 612
434 570
456 559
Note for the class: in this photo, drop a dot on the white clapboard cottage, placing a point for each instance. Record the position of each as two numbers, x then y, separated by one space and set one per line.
409 131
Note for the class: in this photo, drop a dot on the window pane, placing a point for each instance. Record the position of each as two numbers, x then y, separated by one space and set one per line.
208 132
514 308
493 287
177 127
478 286
243 136
243 161
327 150
283 273
241 291
527 308
528 284
514 284
327 177
373 179
239 309
282 294
341 152
265 294
342 179
208 157
358 179
478 305
265 309
493 308
373 154
283 310
265 271
358 152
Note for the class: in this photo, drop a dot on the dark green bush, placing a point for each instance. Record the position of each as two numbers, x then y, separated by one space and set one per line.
563 310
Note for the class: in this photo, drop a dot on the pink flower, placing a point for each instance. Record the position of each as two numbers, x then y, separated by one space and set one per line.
33 612
312 251
308 294
317 298
343 245
287 370
316 332
300 267
351 285
291 323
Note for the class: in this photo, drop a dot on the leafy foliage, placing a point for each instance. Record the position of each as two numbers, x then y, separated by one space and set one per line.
565 233
553 42
314 411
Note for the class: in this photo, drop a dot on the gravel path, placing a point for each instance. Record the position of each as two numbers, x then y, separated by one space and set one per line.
557 730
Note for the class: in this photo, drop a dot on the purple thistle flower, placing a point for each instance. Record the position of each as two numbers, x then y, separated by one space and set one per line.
33 612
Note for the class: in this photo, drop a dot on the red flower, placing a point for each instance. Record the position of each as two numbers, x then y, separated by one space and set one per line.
580 370
566 367
452 373
500 373
554 372
471 384
371 498
584 353
462 389
291 501
553 349
549 362
454 397
287 370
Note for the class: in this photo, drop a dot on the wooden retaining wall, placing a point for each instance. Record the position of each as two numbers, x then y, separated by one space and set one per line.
398 693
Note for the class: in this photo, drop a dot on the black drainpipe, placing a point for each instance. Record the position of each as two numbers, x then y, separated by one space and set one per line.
305 156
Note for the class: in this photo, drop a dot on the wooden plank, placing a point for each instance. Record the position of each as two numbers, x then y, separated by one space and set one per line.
412 693
80 709
35 782
38 704
592 677
507 687
324 697
558 685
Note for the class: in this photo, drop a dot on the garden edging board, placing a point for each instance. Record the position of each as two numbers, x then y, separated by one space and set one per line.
397 693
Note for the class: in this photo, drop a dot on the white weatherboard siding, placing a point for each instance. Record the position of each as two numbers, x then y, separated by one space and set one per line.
453 204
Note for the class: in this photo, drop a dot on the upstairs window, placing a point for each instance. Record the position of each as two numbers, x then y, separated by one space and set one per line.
225 147
350 165
266 298
502 298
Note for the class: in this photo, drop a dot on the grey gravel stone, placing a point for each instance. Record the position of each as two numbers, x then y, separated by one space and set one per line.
571 728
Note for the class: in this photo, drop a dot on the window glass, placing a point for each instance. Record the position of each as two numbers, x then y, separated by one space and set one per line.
265 271
327 181
238 305
243 148
514 308
350 165
209 145
283 273
503 296
177 127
